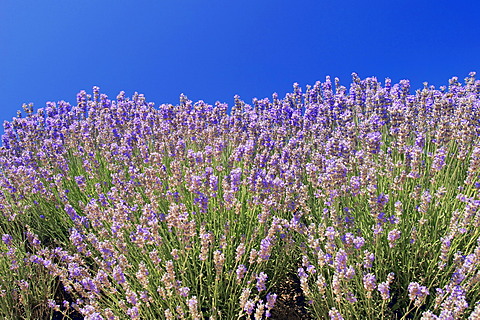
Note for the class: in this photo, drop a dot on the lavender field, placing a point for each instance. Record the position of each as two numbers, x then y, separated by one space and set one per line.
361 200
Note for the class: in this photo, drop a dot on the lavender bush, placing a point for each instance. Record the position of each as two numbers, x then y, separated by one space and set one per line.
116 209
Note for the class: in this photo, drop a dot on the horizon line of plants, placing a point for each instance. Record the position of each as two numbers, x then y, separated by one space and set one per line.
367 195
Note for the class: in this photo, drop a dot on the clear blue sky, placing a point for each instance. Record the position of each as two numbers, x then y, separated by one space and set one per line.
213 49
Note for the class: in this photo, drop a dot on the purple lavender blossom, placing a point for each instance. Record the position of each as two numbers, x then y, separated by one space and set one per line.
131 297
271 299
7 239
90 313
183 291
241 270
133 313
369 282
340 262
249 306
118 275
358 242
439 160
417 292
261 279
348 239
265 248
393 236
373 140
368 259
384 290
335 314
89 284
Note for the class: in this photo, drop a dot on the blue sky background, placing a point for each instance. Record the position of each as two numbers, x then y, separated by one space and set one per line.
213 49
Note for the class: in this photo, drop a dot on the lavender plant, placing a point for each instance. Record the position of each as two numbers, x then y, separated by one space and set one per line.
118 209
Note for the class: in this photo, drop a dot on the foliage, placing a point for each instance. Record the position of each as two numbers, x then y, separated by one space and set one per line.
116 209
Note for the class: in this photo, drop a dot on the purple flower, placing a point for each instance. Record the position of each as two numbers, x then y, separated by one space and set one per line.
7 239
350 272
358 242
118 275
265 248
71 212
384 287
235 176
193 307
271 299
81 182
377 229
340 262
348 239
393 236
249 306
373 140
302 273
417 292
335 314
368 259
330 233
90 313
89 284
213 180
420 140
321 147
261 279
131 297
241 270
382 199
133 313
369 282
350 297
77 240
458 277
384 290
52 304
75 270
439 160
183 291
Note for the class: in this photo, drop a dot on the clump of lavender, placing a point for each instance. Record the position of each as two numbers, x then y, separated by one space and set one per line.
138 212
369 194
